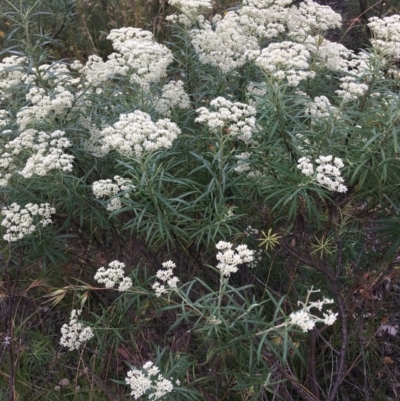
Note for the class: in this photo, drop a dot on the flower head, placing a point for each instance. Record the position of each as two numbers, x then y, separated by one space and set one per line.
148 379
133 134
23 221
74 334
306 320
167 281
327 174
238 118
114 275
229 259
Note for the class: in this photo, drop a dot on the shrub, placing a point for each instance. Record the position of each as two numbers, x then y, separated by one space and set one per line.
246 130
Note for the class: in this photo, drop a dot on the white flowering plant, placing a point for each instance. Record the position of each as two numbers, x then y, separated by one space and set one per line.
186 193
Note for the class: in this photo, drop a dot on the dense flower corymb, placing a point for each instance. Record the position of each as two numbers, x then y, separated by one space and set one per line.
167 280
74 334
285 60
229 259
173 95
147 59
238 118
190 7
13 73
226 46
23 221
320 109
327 173
114 275
311 18
108 189
386 34
149 378
134 134
44 105
48 152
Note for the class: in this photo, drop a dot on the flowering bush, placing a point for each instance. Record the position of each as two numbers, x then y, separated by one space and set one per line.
252 127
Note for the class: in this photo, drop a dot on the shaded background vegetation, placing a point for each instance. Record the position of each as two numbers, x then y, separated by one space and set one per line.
78 28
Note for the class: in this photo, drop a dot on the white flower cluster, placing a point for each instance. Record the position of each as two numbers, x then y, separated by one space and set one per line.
265 18
21 221
351 90
320 108
55 73
74 334
362 66
330 55
214 321
311 18
243 166
386 34
57 99
229 259
327 174
173 95
237 117
4 120
305 165
285 60
12 74
49 152
4 178
148 60
114 275
250 231
191 8
306 320
182 19
138 57
96 71
149 378
225 47
44 104
134 134
108 188
166 278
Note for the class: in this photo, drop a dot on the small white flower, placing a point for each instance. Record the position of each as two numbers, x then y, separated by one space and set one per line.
214 321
